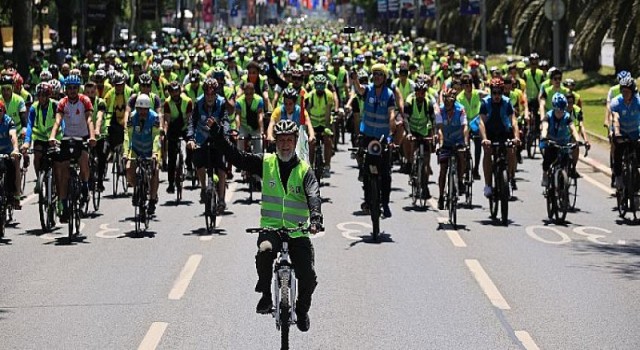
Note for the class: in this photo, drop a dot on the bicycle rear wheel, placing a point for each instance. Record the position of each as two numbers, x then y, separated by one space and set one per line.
573 192
95 192
562 196
23 173
43 209
504 197
452 197
414 181
115 174
374 207
532 139
210 207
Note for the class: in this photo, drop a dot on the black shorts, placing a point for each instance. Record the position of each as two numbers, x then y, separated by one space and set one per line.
10 173
500 137
40 146
67 152
215 159
115 134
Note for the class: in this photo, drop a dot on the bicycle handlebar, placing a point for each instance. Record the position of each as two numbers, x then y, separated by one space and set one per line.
283 230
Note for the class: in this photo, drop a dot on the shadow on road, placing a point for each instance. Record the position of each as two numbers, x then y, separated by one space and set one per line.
38 231
416 208
136 235
175 203
5 241
66 241
203 232
2 312
383 237
621 256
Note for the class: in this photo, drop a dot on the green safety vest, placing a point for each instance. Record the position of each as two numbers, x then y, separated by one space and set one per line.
103 128
175 113
243 109
111 97
283 207
419 121
40 130
318 109
193 94
533 82
550 91
574 115
404 90
12 110
472 108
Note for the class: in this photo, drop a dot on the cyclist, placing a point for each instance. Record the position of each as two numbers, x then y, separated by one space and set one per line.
142 138
420 112
178 107
520 107
9 145
578 122
76 111
209 106
497 124
100 126
116 100
625 109
470 98
377 120
319 103
290 195
557 126
39 124
14 104
548 91
451 123
250 116
533 77
291 110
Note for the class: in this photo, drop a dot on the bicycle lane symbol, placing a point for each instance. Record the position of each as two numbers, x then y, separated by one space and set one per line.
534 232
347 232
104 232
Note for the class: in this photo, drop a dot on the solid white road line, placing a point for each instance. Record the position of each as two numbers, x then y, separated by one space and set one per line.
453 235
183 280
599 185
153 336
486 284
526 340
227 199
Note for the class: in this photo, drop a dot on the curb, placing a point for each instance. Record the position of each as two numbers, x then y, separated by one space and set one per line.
593 163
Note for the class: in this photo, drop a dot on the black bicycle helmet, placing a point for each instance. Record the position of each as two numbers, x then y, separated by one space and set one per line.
290 93
144 79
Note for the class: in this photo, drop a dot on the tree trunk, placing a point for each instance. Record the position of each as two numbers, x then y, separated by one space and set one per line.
65 22
22 35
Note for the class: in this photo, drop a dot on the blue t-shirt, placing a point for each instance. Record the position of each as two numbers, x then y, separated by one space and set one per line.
629 115
6 125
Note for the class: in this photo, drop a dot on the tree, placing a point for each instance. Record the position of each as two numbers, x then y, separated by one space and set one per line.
65 21
22 35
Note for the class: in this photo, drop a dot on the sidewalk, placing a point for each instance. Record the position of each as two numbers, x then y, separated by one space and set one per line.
598 157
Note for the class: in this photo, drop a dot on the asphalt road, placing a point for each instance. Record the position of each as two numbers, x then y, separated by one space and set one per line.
425 286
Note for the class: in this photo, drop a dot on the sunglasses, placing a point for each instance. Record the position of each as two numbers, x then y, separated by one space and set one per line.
378 74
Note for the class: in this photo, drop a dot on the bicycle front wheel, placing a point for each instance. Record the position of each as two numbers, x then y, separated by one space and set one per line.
452 197
43 209
573 192
504 197
374 207
285 312
562 196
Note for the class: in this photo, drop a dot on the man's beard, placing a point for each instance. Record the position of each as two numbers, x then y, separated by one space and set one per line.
284 158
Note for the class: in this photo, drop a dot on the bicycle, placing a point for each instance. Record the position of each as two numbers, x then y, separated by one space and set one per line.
533 136
75 202
144 168
47 196
451 194
558 191
626 197
338 129
371 166
499 200
93 181
180 171
211 196
250 179
117 171
318 161
285 284
5 199
468 180
418 177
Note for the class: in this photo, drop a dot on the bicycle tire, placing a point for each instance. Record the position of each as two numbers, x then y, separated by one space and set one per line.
562 197
77 212
285 313
95 192
70 208
532 138
43 210
374 207
451 191
115 175
178 178
494 198
573 192
421 183
23 173
504 197
52 199
414 182
3 206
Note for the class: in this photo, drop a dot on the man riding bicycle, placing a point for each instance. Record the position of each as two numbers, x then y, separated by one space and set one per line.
9 146
290 195
557 126
209 106
378 120
451 123
76 111
142 139
625 109
319 103
177 110
497 124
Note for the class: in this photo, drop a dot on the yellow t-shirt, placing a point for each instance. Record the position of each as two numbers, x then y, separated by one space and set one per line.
119 107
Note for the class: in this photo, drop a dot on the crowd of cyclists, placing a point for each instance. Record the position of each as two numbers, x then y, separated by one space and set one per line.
145 100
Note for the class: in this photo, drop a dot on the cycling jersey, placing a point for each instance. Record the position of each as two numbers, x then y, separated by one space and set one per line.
178 113
498 118
198 129
406 88
420 115
533 81
559 129
249 114
14 107
375 115
6 125
317 106
297 116
629 115
452 124
142 137
40 122
74 115
548 92
117 104
471 106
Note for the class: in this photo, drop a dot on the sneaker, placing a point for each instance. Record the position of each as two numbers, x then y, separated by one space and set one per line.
514 187
303 322
573 173
36 189
619 184
488 191
476 175
265 305
152 207
222 206
171 189
441 203
545 181
364 207
100 187
386 211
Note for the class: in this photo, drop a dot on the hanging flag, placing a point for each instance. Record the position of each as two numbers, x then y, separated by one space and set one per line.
207 11
469 7
406 10
428 9
382 9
